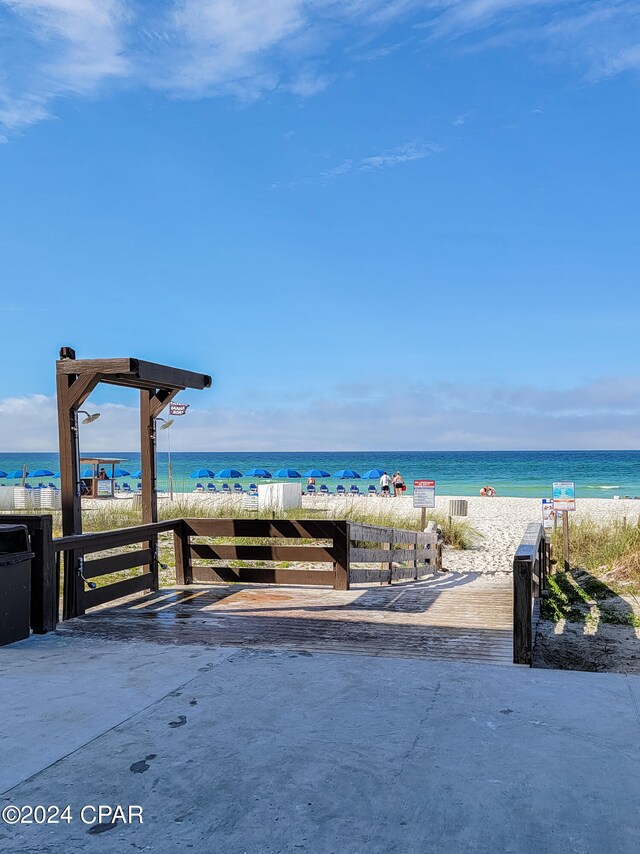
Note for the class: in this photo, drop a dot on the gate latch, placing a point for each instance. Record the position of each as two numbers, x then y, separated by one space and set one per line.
91 584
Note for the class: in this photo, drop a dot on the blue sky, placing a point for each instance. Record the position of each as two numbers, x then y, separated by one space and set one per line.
377 224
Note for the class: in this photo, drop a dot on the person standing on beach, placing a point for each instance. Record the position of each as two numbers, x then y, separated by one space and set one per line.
398 484
385 483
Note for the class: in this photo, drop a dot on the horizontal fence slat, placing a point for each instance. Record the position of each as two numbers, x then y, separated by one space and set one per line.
102 540
263 575
370 533
295 529
402 536
109 592
387 555
298 554
116 563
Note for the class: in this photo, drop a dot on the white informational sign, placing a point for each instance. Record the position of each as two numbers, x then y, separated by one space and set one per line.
424 493
104 487
548 513
564 495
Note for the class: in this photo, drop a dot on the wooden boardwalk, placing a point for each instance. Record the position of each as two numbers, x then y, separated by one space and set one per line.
448 617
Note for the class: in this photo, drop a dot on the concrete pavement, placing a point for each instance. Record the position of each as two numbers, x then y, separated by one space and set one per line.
282 751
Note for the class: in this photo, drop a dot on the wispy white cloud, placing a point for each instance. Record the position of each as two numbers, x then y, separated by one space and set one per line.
407 152
57 47
392 415
249 48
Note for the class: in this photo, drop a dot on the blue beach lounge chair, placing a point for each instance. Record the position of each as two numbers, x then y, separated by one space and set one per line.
199 488
237 488
211 487
324 489
253 489
126 487
225 488
311 490
372 490
354 490
340 490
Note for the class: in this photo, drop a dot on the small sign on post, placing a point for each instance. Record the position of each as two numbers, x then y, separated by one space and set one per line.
564 501
178 408
424 496
548 513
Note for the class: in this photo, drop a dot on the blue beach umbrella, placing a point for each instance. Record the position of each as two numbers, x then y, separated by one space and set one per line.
121 473
3 474
139 474
194 474
288 473
346 474
373 473
57 474
258 473
17 473
228 473
42 473
316 473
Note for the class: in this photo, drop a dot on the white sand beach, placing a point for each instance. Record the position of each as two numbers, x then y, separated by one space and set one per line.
500 522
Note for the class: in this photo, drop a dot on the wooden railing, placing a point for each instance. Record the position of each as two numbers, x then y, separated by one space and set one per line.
78 571
531 565
390 547
329 544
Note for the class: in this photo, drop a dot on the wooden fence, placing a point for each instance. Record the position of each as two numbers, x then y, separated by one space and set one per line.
531 565
329 544
80 591
320 551
390 547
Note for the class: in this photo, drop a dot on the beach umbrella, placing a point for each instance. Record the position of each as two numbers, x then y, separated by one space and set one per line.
194 474
86 473
121 473
17 473
373 473
346 474
3 474
57 474
288 473
316 473
139 474
42 473
258 473
228 473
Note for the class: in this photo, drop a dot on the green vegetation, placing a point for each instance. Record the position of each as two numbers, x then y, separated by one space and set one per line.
605 561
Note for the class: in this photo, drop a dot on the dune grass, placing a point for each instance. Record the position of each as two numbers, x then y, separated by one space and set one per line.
611 551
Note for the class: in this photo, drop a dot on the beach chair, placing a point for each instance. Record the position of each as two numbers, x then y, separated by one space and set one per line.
211 487
372 490
311 490
225 489
340 490
126 487
52 486
354 490
253 488
324 489
237 488
139 488
199 488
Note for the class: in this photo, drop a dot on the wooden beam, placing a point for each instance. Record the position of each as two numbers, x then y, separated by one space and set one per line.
135 372
161 399
81 388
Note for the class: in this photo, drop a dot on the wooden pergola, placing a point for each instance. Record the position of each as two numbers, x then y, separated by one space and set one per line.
75 380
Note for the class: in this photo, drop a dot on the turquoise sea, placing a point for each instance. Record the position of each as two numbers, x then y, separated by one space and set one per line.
597 474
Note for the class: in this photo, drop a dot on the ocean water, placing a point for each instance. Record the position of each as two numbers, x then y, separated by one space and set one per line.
597 474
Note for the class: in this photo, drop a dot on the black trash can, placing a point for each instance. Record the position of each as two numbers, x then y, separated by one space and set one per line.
15 583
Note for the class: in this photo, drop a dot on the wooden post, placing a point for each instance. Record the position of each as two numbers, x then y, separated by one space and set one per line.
148 467
181 543
423 518
341 549
565 539
391 538
69 490
522 625
415 559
